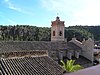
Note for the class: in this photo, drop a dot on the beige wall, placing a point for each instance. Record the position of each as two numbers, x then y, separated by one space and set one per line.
87 49
57 29
57 26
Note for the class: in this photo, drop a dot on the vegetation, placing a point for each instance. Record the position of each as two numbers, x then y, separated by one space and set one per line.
33 33
24 33
87 31
78 32
70 67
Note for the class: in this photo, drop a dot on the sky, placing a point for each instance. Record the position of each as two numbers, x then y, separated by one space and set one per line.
40 13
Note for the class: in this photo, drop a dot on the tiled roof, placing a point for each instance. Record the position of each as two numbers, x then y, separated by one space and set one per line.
74 46
43 65
8 46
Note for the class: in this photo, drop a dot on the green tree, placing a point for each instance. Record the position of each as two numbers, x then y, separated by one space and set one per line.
70 67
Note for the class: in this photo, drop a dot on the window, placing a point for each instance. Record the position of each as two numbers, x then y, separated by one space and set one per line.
60 33
53 33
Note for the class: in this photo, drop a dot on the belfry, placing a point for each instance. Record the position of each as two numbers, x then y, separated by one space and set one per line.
57 30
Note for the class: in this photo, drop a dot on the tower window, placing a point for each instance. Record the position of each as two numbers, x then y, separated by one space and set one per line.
60 33
53 33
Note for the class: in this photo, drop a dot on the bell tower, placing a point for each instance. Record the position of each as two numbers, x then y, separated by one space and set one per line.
57 30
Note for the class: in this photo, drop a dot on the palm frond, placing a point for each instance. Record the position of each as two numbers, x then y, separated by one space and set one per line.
69 66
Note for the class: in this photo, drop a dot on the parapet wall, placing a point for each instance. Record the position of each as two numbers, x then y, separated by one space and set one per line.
36 53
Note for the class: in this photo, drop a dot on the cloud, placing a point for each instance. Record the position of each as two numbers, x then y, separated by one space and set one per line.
61 5
6 0
12 6
90 15
75 12
18 9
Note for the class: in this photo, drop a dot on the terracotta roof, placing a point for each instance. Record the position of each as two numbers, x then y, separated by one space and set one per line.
43 65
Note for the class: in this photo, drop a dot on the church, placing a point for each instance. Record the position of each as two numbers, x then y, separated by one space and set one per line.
57 49
74 49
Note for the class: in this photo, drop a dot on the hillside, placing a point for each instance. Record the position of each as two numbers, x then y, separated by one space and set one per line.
87 31
24 33
33 33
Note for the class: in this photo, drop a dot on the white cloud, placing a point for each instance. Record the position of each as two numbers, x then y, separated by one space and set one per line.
12 6
18 9
90 15
61 5
6 0
82 12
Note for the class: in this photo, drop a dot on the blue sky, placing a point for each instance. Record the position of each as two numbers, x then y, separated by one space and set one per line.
41 12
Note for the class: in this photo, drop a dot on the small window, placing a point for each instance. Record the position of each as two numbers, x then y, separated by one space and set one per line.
60 33
53 33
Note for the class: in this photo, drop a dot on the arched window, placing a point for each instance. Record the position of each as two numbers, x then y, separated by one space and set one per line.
53 33
60 33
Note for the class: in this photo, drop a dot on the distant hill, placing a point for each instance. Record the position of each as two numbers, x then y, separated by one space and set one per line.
79 32
33 33
84 32
24 33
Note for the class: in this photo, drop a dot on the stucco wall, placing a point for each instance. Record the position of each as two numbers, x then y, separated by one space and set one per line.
87 49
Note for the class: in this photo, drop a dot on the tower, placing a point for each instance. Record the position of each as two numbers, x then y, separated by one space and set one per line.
57 30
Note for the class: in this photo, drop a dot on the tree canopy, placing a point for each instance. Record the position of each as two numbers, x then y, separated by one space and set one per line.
24 33
33 33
